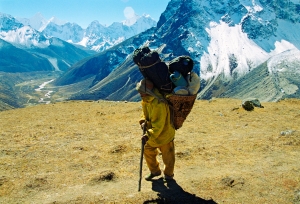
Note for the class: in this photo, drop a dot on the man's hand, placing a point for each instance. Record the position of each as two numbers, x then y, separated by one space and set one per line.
144 138
143 125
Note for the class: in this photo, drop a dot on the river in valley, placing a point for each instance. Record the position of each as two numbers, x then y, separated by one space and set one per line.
48 93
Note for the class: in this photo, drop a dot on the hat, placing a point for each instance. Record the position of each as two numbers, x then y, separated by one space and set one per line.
144 85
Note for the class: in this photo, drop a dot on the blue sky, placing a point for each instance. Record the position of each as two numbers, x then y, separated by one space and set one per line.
83 12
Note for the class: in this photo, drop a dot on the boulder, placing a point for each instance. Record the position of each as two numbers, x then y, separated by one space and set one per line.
249 104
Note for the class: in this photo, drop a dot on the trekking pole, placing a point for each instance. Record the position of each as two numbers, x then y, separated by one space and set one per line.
142 155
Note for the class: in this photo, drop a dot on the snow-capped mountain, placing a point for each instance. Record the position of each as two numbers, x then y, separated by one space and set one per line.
98 37
34 48
20 35
70 32
217 34
36 34
228 40
95 37
8 23
38 22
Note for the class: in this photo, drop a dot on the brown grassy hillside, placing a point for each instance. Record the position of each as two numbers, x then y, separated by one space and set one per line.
89 152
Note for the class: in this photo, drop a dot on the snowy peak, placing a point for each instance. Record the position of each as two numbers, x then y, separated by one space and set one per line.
39 23
131 21
57 21
230 37
52 20
36 22
136 18
143 23
94 28
99 38
96 36
20 35
70 32
7 23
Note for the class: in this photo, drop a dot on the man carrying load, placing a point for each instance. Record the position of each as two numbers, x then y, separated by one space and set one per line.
160 132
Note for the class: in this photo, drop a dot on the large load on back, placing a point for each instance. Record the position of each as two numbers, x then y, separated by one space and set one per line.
152 68
182 64
175 80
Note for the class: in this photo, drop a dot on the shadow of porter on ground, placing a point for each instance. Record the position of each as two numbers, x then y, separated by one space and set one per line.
170 192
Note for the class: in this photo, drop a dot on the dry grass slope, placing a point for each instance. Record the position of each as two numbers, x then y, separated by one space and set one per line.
88 152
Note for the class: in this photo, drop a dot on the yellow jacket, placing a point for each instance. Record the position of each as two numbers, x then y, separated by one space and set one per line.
157 114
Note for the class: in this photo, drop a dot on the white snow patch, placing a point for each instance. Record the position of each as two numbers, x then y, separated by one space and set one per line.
57 43
83 42
282 46
292 55
66 63
25 36
53 61
190 49
227 41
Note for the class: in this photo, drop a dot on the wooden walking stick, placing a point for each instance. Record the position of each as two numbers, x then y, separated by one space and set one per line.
142 155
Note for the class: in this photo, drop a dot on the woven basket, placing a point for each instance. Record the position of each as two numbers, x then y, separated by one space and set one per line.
180 106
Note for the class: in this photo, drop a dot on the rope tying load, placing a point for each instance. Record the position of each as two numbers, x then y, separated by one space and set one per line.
144 67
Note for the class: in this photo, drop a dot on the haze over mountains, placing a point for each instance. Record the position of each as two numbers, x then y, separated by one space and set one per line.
241 48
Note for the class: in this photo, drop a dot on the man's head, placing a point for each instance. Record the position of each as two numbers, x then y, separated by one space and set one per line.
144 86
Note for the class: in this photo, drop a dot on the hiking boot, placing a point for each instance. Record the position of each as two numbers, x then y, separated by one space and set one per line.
151 176
169 178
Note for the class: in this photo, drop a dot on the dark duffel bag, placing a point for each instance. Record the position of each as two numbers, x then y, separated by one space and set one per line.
182 64
152 68
159 74
139 53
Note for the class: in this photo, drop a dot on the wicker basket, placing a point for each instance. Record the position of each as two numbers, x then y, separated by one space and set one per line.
180 107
